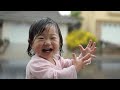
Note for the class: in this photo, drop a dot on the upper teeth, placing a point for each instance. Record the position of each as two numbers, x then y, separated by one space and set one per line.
47 49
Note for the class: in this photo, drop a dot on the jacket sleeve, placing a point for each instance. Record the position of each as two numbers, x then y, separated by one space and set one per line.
65 62
47 72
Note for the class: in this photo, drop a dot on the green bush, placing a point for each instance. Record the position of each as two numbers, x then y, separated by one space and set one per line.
77 37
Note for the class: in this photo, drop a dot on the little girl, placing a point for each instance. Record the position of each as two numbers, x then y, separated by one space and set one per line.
45 47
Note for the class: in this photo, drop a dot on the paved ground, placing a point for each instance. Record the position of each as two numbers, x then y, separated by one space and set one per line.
14 61
104 67
15 69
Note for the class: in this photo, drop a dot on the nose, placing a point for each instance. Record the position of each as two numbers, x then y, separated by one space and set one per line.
47 42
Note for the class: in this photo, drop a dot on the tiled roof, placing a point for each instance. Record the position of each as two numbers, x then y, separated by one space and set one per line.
30 16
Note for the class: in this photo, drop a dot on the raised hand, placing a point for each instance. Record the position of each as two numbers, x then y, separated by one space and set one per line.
79 64
91 48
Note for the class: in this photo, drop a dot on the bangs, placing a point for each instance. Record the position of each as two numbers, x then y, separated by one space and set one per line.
47 27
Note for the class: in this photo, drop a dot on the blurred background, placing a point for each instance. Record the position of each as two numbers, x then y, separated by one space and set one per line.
77 27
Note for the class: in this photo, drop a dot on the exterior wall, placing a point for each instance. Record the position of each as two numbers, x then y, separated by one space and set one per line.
89 21
16 32
93 20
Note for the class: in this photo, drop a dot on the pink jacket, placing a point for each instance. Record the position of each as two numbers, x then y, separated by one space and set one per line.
39 68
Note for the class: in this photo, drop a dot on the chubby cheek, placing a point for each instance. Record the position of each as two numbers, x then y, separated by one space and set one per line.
56 47
37 48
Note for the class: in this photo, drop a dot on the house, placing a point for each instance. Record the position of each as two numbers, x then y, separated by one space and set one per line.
104 24
14 26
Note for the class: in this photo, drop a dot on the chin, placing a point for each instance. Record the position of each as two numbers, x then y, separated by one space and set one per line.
46 56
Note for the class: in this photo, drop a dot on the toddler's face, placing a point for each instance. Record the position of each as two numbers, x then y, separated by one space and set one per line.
46 44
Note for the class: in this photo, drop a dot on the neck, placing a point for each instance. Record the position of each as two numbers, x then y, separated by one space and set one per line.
47 58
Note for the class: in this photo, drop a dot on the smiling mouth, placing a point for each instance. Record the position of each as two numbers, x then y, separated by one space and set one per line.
47 50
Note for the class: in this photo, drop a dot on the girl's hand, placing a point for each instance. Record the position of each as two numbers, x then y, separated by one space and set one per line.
79 64
91 48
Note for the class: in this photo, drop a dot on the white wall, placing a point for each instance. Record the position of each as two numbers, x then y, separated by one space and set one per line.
16 32
110 33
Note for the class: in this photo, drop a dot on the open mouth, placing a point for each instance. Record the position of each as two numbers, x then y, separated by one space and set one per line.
47 50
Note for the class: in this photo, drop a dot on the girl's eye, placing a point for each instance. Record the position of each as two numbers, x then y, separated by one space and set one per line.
53 37
41 38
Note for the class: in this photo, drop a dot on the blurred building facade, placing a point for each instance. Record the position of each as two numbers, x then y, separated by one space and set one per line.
104 24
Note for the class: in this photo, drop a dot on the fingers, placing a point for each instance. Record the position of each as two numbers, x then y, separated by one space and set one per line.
81 48
74 57
86 57
93 46
87 62
93 56
90 43
93 51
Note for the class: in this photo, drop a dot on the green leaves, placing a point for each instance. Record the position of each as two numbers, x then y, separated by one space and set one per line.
77 37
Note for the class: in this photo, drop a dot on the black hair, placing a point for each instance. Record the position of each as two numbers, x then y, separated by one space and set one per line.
37 28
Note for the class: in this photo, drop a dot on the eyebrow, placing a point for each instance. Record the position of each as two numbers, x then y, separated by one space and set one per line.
49 34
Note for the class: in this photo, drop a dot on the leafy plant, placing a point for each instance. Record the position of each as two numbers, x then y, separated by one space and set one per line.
77 37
